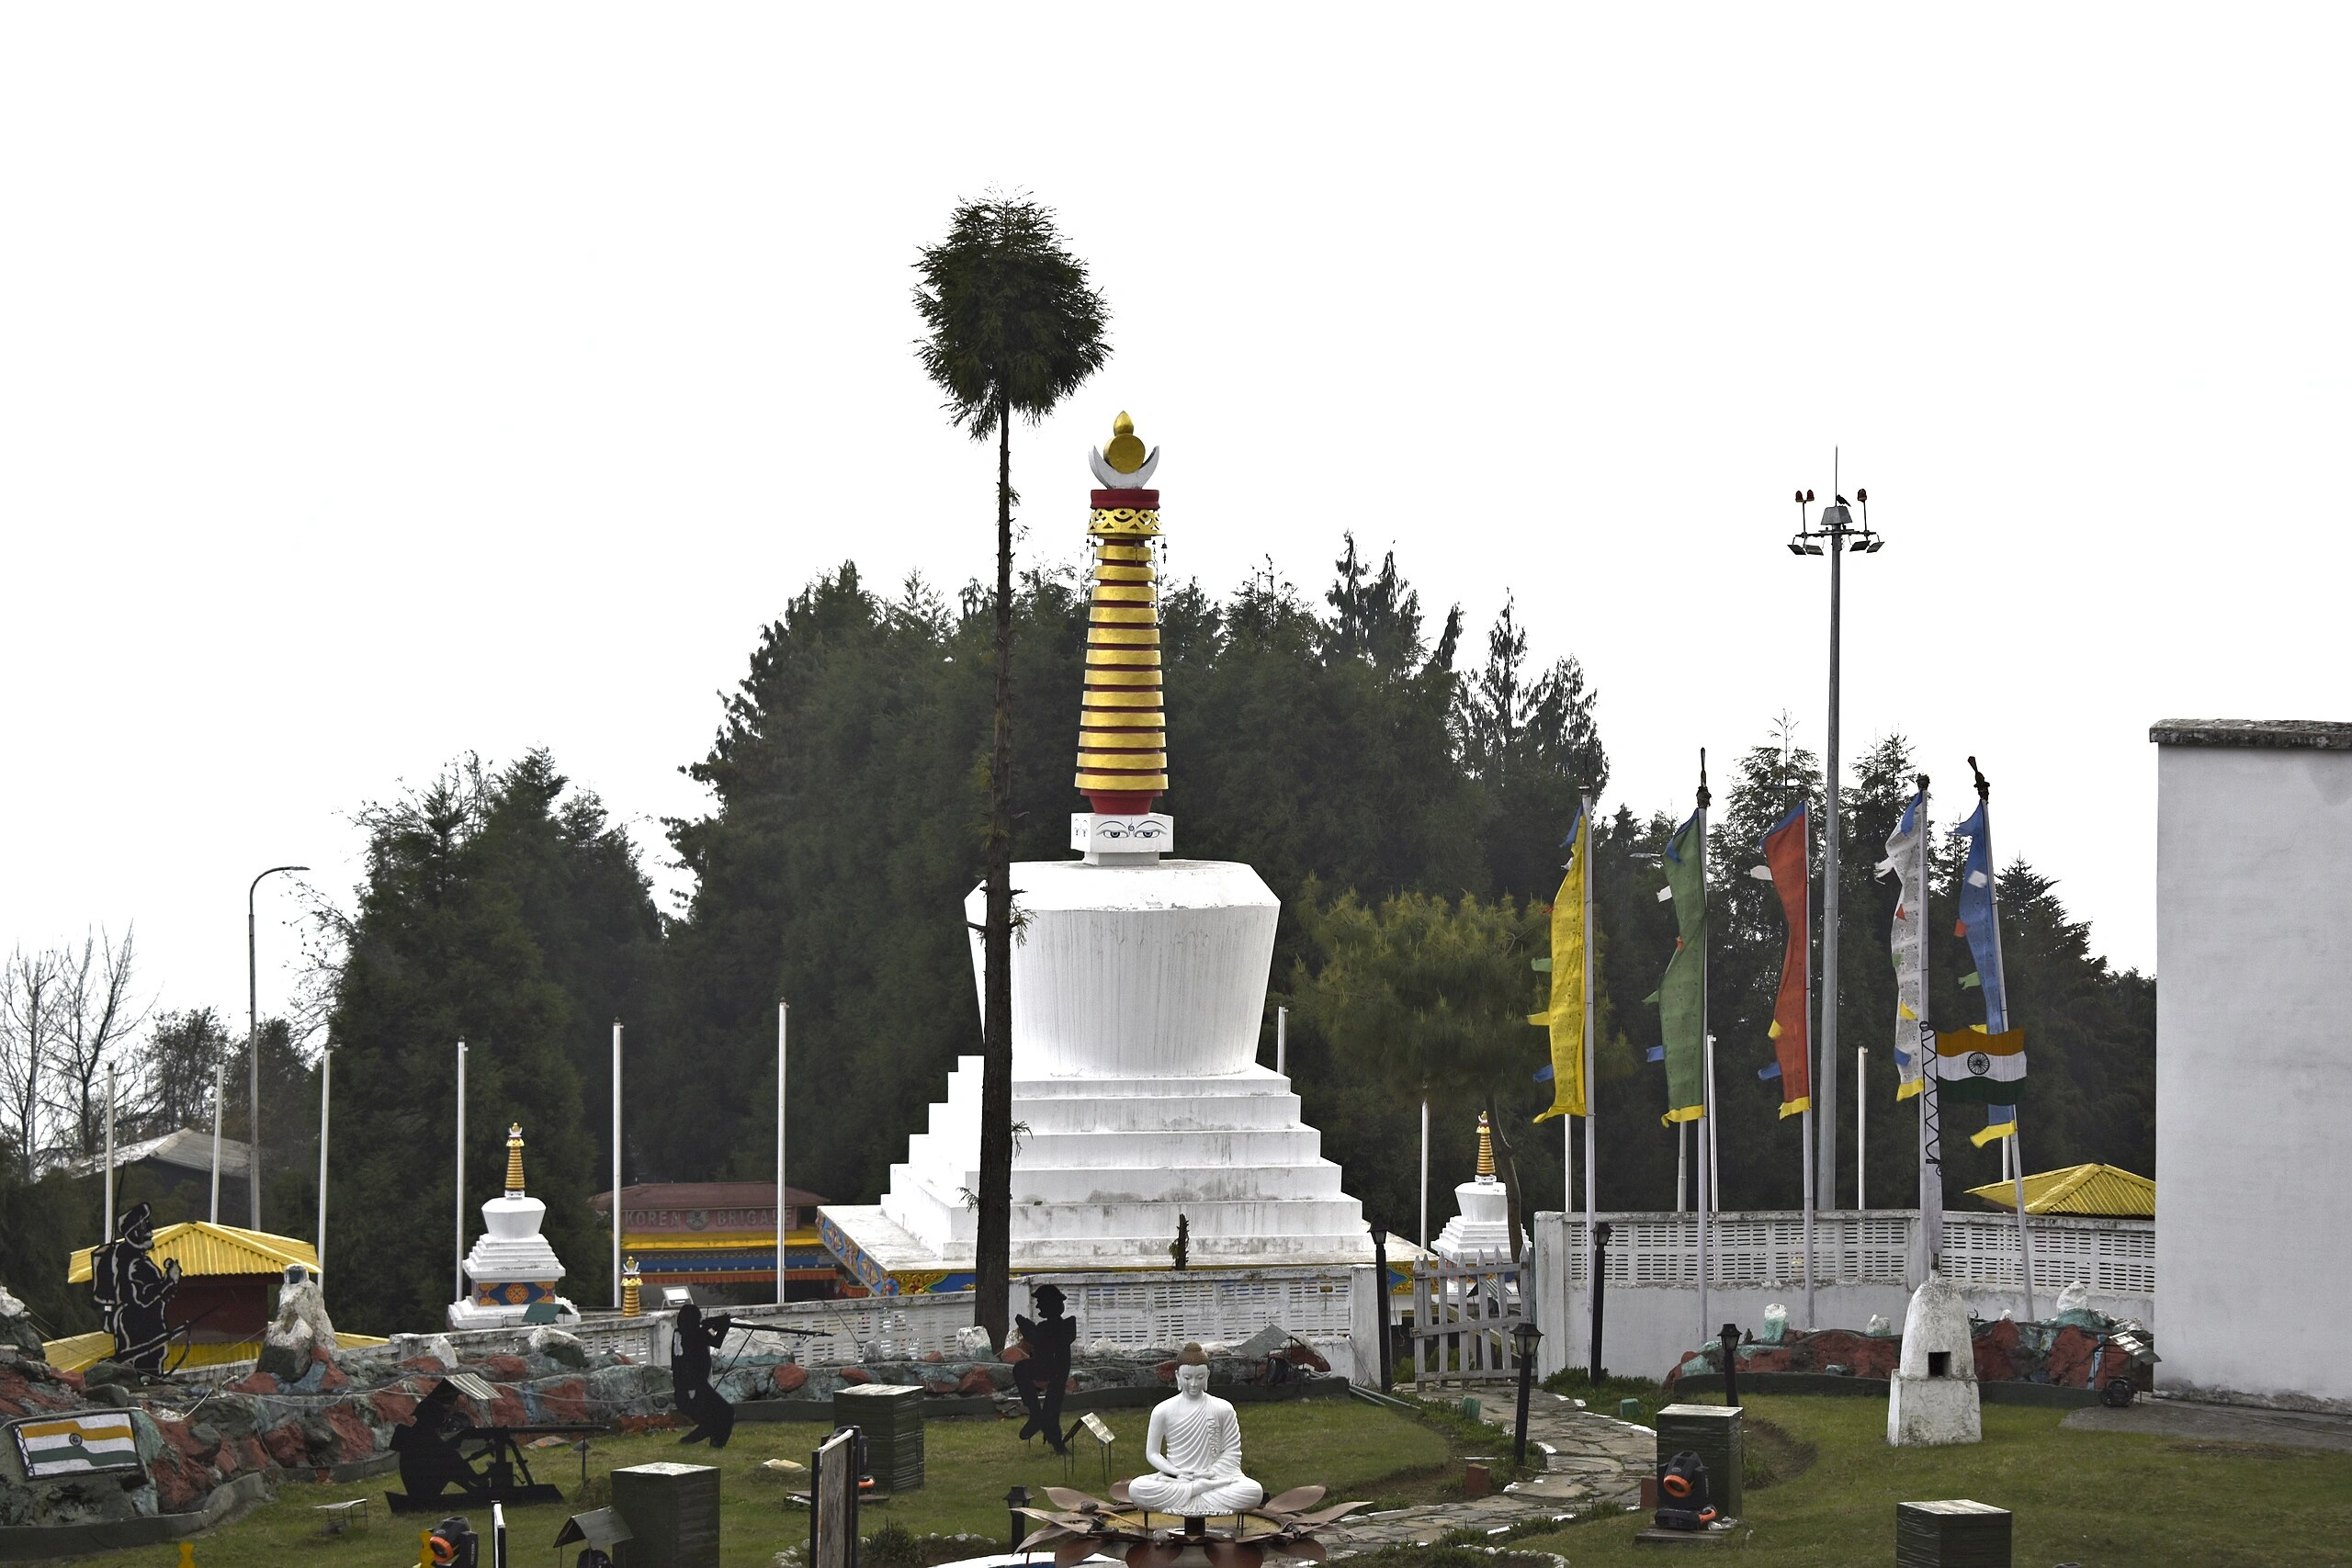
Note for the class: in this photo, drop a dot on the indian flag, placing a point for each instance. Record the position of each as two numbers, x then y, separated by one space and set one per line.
1984 1068
64 1445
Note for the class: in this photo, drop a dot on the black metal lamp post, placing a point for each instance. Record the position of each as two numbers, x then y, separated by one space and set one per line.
1015 1501
1599 1284
1526 1334
1380 1285
1730 1340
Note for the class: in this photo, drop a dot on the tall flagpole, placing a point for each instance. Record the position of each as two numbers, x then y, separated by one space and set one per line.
1931 1150
460 1267
1591 1098
326 1079
1425 1173
783 1209
617 1165
1707 1056
217 1089
1805 1121
2016 1151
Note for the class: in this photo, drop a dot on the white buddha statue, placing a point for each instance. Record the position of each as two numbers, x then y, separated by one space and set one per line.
1195 1447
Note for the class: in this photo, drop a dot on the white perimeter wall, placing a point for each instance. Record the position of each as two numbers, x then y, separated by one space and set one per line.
2253 1071
1647 1329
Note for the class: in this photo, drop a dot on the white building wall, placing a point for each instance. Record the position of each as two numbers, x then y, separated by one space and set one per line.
2254 1059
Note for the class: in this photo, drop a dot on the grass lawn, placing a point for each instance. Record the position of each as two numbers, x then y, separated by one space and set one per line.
2102 1499
971 1462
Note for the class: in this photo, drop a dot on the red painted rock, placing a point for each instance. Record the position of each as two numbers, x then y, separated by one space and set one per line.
505 1368
286 1446
258 1382
939 1386
977 1383
353 1440
1304 1355
937 1356
392 1407
2070 1357
563 1401
332 1379
183 1441
180 1482
1996 1346
1016 1351
662 1422
507 1410
856 1374
1167 1370
242 1456
422 1364
790 1377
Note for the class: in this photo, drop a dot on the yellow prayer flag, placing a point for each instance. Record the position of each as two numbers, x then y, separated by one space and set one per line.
1565 1016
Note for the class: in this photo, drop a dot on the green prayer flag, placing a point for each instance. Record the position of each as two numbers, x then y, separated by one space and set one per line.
1682 994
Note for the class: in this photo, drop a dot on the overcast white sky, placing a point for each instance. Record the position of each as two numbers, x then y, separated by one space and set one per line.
378 384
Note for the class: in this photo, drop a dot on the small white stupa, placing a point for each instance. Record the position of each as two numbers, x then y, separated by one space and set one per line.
1932 1399
1481 1232
512 1266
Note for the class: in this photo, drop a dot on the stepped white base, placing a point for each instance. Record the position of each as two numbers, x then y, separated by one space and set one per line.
1104 1169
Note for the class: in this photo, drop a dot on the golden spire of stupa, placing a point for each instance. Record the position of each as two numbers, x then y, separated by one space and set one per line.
1485 1150
514 1159
1122 734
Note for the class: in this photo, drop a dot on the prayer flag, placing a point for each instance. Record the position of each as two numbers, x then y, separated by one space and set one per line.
1681 999
1788 861
1980 923
1908 940
1565 1018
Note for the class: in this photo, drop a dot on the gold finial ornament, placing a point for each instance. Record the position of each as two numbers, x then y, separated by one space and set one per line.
1121 738
632 1286
514 1159
1124 453
1485 1149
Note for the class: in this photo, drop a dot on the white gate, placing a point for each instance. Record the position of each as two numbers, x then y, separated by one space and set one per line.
1463 1318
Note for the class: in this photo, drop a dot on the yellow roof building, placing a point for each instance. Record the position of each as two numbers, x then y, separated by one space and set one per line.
2077 1190
203 1249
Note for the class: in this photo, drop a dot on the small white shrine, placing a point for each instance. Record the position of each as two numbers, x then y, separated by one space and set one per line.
1480 1232
1138 996
1932 1401
511 1267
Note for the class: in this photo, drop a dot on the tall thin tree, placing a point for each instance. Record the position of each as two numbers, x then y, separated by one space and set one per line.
1014 329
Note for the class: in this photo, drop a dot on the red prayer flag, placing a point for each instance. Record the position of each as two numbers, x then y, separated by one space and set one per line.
1787 851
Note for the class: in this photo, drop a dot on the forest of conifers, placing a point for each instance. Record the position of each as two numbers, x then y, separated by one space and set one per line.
1335 741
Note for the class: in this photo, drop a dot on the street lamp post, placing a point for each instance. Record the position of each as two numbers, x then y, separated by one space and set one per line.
253 1052
1834 536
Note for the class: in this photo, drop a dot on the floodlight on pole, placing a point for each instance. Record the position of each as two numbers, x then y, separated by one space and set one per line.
1836 535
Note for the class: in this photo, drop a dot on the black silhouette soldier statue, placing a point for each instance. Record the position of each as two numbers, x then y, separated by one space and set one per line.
131 1291
430 1460
692 1339
1043 1373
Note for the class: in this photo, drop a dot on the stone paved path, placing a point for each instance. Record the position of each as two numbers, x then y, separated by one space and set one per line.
1593 1460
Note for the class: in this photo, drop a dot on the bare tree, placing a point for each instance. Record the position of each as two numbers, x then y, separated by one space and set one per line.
29 990
97 1015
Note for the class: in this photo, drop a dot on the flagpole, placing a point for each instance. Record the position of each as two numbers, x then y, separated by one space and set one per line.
2016 1151
1861 1127
1804 1131
1707 1056
1591 1096
1931 1155
1425 1173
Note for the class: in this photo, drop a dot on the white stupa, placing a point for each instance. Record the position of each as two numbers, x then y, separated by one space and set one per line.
1480 1232
1138 993
511 1267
